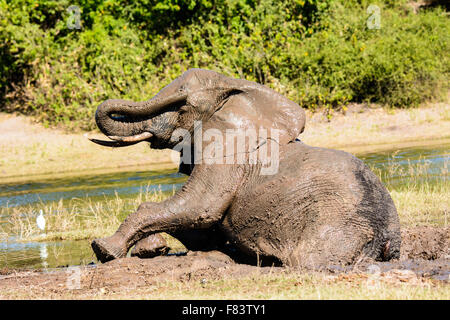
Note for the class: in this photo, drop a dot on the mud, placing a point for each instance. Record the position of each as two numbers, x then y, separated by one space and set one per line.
425 255
428 243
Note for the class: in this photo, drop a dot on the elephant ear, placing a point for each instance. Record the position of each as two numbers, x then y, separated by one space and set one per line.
243 105
253 108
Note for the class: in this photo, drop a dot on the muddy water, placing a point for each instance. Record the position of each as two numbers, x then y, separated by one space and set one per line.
15 254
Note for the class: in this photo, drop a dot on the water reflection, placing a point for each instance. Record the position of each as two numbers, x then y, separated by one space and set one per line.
426 164
436 157
44 254
96 186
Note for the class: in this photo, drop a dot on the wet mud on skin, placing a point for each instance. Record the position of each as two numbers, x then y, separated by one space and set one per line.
425 255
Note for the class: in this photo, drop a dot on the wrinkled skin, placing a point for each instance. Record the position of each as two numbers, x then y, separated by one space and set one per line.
322 207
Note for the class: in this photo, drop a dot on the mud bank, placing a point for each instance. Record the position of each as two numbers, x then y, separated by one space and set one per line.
425 257
428 243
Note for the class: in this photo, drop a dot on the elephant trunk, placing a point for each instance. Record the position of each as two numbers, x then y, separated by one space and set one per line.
121 118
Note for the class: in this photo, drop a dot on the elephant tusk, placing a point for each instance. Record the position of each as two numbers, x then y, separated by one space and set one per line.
112 144
135 138
119 143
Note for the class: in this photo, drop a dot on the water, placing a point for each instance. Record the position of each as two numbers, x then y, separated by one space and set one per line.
14 254
126 184
432 161
51 254
18 254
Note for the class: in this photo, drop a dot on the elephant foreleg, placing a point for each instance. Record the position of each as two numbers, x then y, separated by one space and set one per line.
200 204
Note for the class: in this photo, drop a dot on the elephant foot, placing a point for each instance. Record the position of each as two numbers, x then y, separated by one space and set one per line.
108 249
152 246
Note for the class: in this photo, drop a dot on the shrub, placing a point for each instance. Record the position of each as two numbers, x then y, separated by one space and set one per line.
317 52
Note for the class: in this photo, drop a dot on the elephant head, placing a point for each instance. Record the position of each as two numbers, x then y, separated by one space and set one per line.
198 95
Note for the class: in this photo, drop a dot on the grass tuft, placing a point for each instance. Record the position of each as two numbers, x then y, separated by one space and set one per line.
421 197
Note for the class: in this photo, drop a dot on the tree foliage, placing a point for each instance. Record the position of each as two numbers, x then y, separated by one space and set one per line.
317 52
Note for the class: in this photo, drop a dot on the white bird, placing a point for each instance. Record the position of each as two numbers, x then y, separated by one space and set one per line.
40 220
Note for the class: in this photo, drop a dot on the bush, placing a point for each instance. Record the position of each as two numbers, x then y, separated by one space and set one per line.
318 53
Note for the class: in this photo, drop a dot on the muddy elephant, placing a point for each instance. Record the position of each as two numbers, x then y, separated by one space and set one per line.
319 206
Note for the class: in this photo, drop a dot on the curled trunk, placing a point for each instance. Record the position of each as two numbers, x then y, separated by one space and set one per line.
128 122
121 118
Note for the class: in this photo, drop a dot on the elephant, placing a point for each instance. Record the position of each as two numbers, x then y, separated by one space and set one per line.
320 207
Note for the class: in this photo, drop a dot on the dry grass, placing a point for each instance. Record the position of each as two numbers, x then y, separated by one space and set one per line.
363 129
29 150
423 208
304 286
76 219
289 286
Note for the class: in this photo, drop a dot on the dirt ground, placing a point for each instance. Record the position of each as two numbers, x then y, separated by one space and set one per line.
425 255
